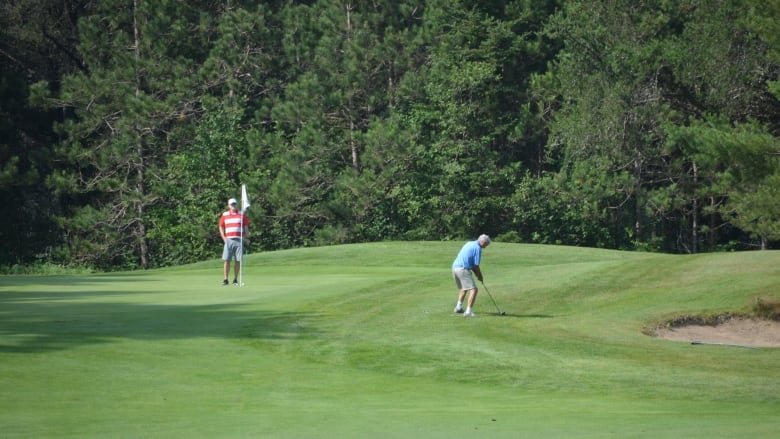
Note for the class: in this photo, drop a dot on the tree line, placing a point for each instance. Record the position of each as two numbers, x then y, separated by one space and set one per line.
126 124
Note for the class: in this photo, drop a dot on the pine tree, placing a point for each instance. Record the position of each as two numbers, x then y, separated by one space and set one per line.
128 107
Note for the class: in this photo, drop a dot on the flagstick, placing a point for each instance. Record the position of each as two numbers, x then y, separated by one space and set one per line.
241 249
244 206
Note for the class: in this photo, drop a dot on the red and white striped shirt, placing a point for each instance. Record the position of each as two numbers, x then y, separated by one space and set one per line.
232 222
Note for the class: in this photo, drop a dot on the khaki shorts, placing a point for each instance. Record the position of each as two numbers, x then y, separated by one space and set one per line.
463 279
232 248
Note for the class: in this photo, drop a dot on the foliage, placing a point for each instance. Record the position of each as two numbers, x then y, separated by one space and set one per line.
184 230
632 125
624 82
738 166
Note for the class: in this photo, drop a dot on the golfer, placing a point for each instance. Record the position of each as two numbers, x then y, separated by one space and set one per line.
234 228
466 263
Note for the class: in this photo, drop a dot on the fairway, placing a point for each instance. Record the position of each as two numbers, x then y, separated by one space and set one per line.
360 341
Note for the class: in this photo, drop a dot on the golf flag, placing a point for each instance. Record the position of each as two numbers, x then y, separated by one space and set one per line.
244 198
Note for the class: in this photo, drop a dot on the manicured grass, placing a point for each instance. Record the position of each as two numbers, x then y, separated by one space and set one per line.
360 341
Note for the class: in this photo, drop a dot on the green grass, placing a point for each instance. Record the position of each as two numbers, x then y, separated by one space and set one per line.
360 341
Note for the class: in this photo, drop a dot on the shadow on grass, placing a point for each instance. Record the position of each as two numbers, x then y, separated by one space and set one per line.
35 327
522 316
70 280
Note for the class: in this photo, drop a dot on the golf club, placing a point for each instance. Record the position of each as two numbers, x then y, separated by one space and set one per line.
501 313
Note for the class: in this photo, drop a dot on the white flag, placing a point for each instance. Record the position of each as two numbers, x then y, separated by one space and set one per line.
244 198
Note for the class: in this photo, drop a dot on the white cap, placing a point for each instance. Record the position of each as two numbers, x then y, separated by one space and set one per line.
232 201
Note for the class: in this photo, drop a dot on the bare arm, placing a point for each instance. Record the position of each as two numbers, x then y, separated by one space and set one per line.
478 272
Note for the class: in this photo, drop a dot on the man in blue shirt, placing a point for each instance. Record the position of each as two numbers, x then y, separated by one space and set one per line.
464 264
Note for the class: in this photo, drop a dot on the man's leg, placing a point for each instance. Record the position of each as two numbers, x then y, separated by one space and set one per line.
225 271
236 270
459 305
472 297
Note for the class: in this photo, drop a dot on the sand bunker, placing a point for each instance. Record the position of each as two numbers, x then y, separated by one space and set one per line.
736 331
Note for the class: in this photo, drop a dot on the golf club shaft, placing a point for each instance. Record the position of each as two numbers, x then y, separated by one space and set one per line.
491 297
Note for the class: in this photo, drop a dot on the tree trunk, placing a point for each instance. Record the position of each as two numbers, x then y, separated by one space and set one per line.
143 245
353 144
140 228
637 199
695 213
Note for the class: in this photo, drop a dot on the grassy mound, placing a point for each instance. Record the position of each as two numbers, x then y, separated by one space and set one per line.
361 341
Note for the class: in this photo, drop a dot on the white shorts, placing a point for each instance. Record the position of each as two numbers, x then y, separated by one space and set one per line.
463 279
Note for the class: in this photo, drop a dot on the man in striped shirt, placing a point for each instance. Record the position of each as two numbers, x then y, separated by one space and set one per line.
233 226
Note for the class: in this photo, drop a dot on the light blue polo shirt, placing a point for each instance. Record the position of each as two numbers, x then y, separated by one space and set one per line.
469 255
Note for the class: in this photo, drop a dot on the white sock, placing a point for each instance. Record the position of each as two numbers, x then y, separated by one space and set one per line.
459 305
468 309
